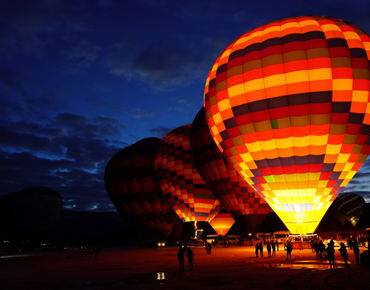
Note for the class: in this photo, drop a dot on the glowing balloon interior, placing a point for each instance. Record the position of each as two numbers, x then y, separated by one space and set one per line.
288 105
222 222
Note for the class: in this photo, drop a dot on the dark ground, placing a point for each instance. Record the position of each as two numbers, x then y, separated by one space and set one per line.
157 268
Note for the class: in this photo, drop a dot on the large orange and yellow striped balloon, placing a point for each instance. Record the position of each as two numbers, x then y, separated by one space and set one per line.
288 105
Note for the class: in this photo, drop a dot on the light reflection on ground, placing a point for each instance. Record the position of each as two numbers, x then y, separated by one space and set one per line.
14 256
323 261
162 276
301 266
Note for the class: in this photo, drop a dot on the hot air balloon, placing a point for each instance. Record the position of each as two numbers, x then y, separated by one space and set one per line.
132 186
239 198
222 222
180 181
352 206
34 210
287 103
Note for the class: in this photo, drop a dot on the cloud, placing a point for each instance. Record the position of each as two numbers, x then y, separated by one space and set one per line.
11 80
166 63
26 23
140 113
80 57
80 189
68 153
160 131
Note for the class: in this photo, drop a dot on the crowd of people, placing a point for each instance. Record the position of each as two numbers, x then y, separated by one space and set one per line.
322 251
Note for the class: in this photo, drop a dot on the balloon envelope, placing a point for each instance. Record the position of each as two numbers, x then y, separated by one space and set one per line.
222 222
239 198
352 206
180 181
34 208
132 186
288 105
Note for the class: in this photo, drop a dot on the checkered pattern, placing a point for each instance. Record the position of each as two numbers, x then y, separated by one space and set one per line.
288 105
180 181
131 185
235 194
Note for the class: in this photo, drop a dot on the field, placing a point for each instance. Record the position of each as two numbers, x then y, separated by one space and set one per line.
235 267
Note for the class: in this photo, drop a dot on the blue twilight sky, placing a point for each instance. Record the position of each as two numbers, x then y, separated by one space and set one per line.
80 80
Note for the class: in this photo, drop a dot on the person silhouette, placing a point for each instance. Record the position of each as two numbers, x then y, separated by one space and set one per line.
344 254
180 257
356 251
330 255
261 249
190 255
257 249
273 249
268 247
289 249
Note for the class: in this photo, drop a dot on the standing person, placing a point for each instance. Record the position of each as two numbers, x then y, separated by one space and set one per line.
208 247
190 255
330 255
277 245
349 243
257 246
317 250
96 250
261 249
180 257
356 251
344 254
273 249
289 249
268 249
321 249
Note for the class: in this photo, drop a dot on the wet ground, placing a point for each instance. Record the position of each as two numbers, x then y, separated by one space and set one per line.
157 268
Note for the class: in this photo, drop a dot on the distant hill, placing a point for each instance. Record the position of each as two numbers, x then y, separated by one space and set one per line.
84 228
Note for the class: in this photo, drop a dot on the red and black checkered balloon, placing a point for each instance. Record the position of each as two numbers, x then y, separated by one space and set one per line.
133 188
180 181
239 198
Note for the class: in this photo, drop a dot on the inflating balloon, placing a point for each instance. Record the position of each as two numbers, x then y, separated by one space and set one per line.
132 186
240 199
222 222
288 105
352 206
180 181
34 208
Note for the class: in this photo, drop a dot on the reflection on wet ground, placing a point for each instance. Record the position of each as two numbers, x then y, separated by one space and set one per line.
15 256
162 276
322 261
314 267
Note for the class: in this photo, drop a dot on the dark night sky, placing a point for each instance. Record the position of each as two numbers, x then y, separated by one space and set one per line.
80 80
